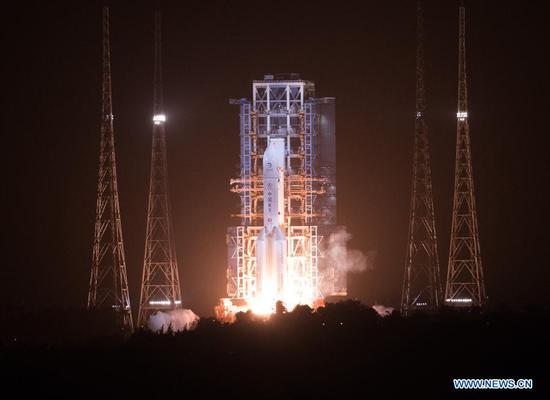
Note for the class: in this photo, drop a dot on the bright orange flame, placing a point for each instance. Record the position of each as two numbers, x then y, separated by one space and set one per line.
296 290
262 306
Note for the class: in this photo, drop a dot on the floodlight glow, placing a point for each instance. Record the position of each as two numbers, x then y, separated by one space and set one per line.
462 115
160 302
459 300
157 119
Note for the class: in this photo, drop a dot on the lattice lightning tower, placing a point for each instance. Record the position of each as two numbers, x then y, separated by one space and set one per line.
421 285
465 285
160 289
108 280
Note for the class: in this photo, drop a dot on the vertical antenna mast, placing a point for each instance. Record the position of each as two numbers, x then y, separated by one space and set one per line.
465 285
160 288
421 284
158 101
108 280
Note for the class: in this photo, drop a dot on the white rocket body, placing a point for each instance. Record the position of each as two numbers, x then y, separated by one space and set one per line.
271 244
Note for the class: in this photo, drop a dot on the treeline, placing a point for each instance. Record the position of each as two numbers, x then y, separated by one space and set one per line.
344 350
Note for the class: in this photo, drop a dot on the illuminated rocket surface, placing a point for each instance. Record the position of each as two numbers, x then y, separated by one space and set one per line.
271 242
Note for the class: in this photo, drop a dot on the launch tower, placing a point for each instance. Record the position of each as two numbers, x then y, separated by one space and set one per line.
287 189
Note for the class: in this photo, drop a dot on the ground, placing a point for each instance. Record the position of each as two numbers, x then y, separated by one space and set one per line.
343 351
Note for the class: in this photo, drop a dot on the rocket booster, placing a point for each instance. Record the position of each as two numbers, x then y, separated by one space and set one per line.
271 242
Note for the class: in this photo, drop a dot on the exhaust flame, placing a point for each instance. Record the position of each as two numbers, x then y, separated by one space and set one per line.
262 306
340 260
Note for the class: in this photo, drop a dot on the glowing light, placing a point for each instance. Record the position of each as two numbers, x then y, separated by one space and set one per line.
157 119
262 306
462 115
421 304
266 305
160 302
459 300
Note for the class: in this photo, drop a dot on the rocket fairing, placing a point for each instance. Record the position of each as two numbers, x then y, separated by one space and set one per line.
271 243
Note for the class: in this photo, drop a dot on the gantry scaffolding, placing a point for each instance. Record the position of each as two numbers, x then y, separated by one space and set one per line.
284 106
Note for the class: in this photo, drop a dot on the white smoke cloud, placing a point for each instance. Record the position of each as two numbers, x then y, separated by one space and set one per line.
179 320
339 259
335 250
383 311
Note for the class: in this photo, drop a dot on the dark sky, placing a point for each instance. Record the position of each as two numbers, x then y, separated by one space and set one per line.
361 53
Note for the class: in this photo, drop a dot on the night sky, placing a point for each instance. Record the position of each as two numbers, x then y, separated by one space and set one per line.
361 53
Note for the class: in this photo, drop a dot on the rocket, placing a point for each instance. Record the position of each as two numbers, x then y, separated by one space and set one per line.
271 244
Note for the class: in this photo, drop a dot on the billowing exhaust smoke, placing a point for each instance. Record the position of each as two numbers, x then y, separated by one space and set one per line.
176 320
339 260
383 311
335 250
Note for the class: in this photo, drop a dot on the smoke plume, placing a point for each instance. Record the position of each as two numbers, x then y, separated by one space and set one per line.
177 320
383 311
338 255
338 260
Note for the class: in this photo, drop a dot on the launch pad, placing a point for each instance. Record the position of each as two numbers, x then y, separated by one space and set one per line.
287 188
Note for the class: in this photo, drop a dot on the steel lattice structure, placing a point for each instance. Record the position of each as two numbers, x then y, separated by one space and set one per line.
421 284
465 286
283 106
160 289
108 280
278 109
